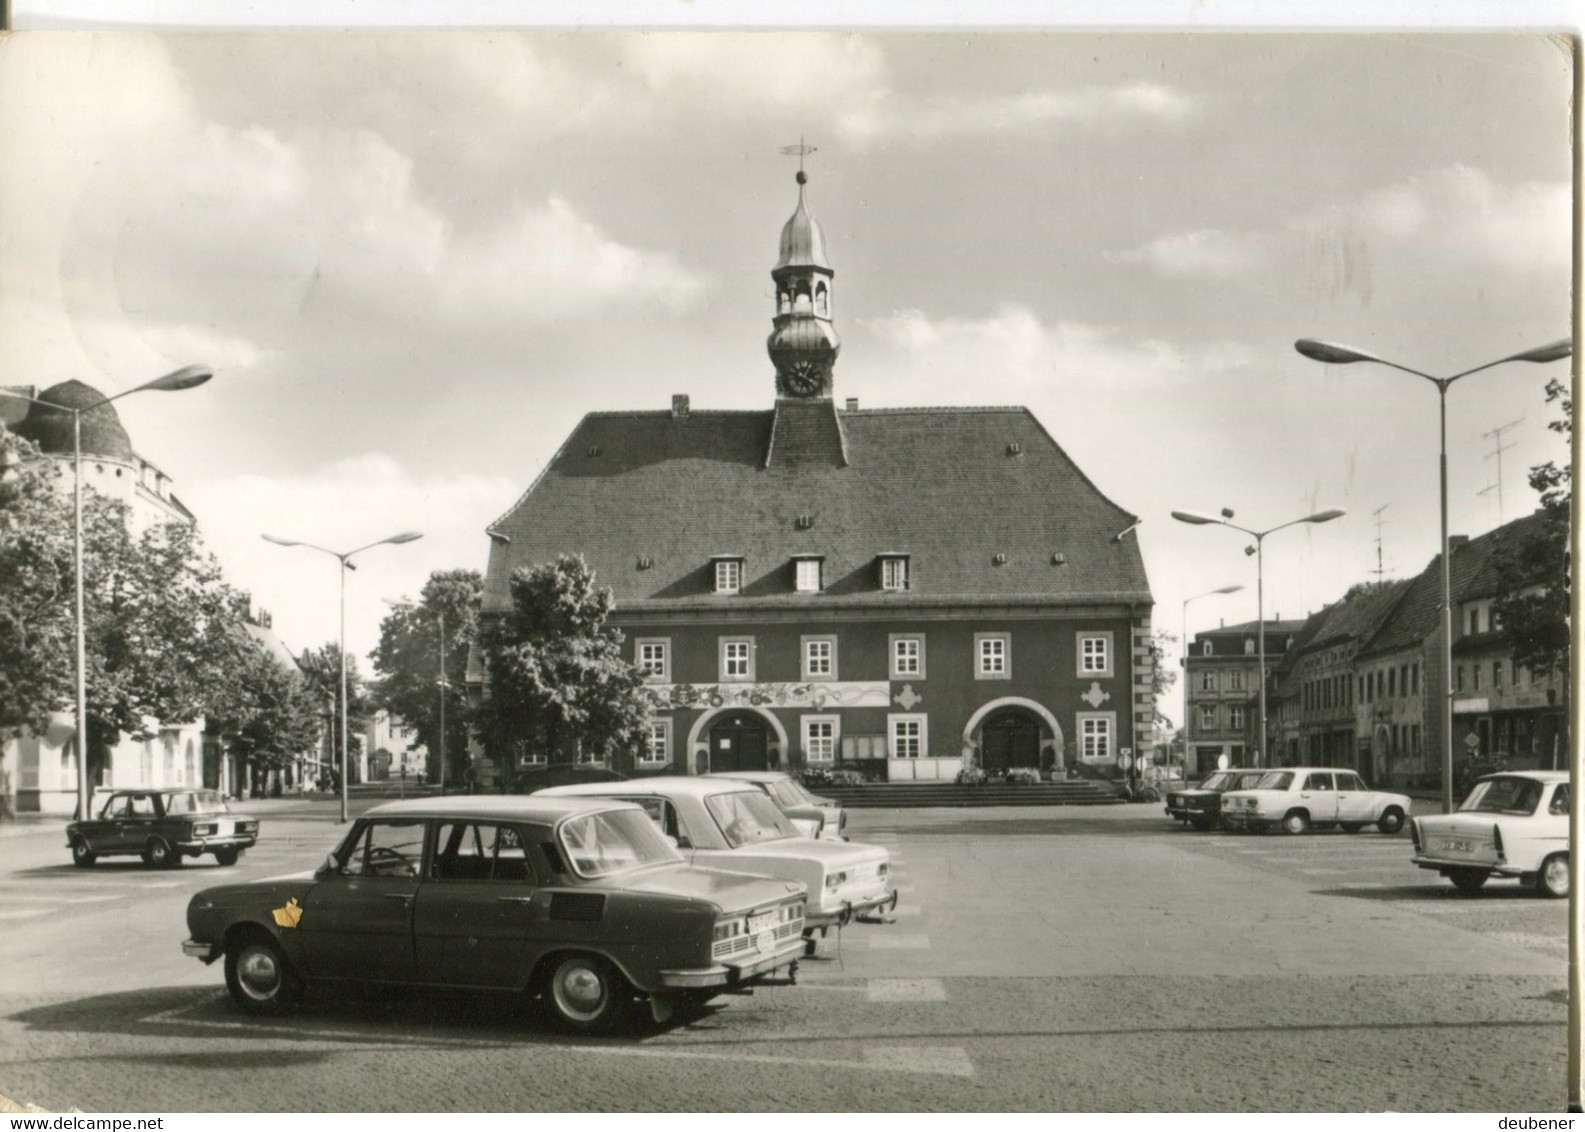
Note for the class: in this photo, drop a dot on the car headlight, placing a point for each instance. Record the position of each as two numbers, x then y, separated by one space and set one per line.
728 929
836 880
205 829
247 827
883 868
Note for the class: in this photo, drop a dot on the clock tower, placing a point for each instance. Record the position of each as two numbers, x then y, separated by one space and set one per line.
803 344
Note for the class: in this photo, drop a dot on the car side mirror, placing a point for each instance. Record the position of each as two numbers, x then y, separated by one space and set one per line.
670 840
331 866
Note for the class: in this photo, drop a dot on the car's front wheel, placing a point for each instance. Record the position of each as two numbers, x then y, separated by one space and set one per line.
259 978
1468 880
585 993
1297 821
1552 879
1202 822
82 853
225 858
158 854
1391 821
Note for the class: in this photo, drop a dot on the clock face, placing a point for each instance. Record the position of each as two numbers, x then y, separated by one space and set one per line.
803 379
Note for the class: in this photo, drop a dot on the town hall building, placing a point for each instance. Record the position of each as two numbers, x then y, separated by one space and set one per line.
898 591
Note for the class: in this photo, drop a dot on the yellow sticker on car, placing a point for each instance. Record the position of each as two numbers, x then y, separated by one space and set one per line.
288 916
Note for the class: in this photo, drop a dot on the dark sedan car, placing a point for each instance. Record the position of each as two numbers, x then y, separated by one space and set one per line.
1201 806
162 827
579 902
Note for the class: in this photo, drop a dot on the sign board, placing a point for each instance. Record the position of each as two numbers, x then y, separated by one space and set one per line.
1472 741
1124 759
1223 762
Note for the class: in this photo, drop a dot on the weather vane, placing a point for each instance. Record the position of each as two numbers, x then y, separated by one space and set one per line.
799 151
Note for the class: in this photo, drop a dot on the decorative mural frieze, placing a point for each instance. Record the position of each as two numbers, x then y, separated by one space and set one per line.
834 694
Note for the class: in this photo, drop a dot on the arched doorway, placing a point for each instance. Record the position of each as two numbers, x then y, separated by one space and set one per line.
1010 739
739 741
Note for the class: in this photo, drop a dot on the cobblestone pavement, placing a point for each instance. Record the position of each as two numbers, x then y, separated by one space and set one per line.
1042 959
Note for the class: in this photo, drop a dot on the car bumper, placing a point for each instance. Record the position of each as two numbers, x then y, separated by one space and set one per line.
1495 868
235 841
843 914
735 973
208 952
1245 819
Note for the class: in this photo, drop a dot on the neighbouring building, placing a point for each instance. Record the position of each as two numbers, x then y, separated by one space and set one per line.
900 591
1222 681
393 750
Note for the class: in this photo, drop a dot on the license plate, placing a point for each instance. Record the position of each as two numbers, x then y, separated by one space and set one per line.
1458 846
761 921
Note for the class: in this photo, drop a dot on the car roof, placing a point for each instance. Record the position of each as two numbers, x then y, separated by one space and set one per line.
1537 775
502 807
749 775
697 786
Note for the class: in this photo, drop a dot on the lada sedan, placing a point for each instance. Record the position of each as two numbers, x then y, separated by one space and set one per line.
734 825
1298 797
578 902
162 827
1201 806
813 815
1513 824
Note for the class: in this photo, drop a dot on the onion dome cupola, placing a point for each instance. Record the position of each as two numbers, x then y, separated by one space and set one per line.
51 428
803 345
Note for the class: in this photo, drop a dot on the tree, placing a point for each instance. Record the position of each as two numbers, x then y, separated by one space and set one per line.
1533 570
557 683
322 673
407 661
268 715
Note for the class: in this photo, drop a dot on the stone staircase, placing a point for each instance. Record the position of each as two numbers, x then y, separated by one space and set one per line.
908 795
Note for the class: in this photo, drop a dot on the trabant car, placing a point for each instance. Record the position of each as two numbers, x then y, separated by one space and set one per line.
1201 806
1513 824
735 825
579 902
813 815
162 827
1295 798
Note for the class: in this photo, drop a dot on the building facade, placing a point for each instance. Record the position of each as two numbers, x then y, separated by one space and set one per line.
900 592
1222 675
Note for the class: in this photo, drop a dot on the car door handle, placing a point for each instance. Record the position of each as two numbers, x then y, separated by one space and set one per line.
514 899
404 897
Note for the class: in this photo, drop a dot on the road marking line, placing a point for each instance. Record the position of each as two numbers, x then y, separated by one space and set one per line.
906 990
895 941
23 913
951 1061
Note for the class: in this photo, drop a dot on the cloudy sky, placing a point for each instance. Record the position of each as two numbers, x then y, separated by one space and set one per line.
416 259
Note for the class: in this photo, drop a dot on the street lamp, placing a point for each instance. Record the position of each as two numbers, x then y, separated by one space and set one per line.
185 378
441 683
1225 520
1334 354
346 564
1186 601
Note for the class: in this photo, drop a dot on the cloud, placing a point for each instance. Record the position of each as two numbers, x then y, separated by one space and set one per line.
1207 253
937 116
749 71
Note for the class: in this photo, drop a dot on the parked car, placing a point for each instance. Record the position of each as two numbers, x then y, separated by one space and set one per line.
162 826
579 902
813 815
724 824
1298 797
1513 824
1201 806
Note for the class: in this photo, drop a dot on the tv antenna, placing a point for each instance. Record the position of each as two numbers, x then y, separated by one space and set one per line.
1380 571
1498 448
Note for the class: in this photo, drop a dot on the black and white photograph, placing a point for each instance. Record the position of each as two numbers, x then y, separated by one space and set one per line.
785 569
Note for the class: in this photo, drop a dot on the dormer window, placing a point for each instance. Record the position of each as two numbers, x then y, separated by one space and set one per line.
728 573
1207 649
894 571
807 570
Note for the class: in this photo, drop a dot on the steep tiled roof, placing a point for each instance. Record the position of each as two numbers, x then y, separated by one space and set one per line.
1358 617
952 488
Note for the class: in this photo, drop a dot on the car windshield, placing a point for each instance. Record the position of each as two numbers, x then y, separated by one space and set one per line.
1509 795
1276 780
195 802
616 841
747 817
790 792
1218 780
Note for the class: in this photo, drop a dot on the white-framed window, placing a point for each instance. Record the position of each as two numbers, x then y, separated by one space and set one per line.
591 758
1235 681
1249 646
657 752
653 656
909 735
993 656
1235 717
822 735
1095 654
1096 729
728 575
1208 717
819 657
737 659
807 575
894 573
908 656
1206 649
1208 681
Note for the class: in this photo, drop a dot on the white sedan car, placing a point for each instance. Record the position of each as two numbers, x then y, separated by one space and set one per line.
1295 798
1513 824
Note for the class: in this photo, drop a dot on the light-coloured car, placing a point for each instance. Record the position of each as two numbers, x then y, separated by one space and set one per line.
813 815
1201 806
1295 798
1513 824
723 824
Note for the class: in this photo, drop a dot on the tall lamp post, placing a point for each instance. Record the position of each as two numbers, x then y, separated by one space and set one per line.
187 377
1334 354
1225 520
1186 601
345 557
440 615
